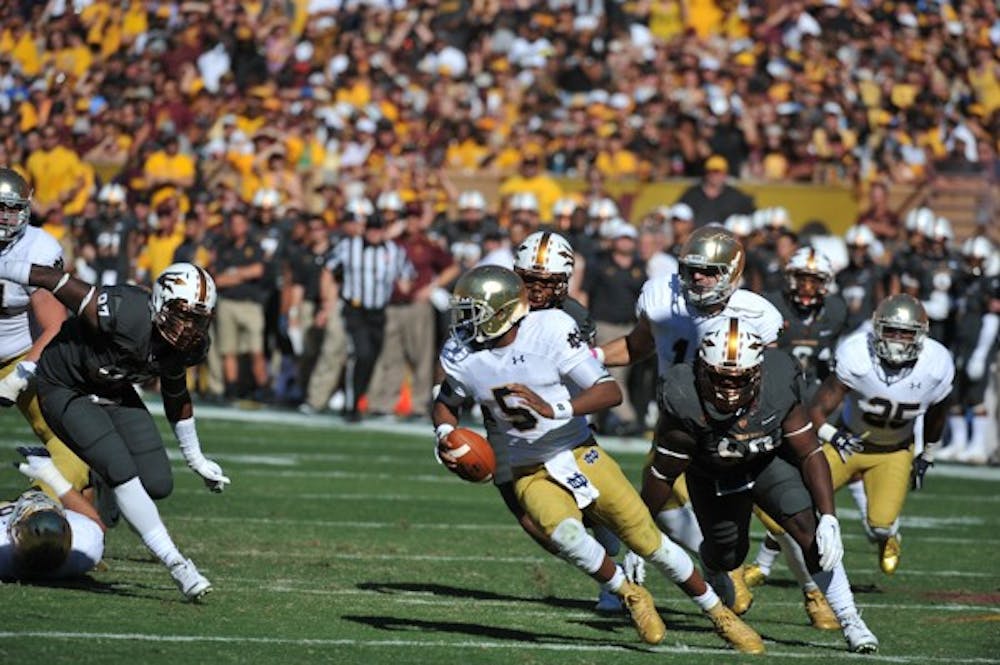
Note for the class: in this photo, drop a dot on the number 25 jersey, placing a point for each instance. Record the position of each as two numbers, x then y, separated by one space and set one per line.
886 404
547 350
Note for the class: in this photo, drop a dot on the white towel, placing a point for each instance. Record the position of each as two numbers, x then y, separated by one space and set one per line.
564 470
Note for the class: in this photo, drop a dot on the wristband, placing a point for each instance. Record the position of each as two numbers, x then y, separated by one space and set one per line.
826 432
443 430
598 353
187 436
562 409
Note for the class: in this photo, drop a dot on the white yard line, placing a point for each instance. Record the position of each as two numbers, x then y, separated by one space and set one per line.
469 644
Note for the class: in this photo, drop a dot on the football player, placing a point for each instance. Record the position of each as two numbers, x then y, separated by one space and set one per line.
41 538
978 322
19 353
886 379
862 282
123 335
733 422
814 321
520 366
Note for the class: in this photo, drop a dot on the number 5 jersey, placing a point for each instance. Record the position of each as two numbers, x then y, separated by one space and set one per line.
883 403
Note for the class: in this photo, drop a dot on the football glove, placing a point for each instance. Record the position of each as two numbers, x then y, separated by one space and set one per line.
634 567
831 547
210 472
15 382
38 466
846 443
920 466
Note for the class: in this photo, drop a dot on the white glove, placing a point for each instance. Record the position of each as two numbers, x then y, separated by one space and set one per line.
12 384
635 568
15 271
831 547
210 472
38 466
975 367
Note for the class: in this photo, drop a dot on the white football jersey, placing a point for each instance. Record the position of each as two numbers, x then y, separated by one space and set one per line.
37 247
678 330
86 550
547 349
883 404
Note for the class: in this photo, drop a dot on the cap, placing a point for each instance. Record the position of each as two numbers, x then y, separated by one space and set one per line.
682 211
623 229
716 163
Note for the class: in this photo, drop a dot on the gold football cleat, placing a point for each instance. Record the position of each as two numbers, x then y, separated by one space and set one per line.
889 551
743 598
733 630
642 609
820 613
753 575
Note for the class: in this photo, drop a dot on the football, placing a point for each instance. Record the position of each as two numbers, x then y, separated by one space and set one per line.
476 462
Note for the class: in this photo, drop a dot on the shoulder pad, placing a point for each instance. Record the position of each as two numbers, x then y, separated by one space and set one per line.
853 357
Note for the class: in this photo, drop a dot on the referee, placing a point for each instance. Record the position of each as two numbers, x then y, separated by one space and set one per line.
368 268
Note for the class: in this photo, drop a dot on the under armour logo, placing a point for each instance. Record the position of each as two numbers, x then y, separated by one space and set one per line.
914 385
518 359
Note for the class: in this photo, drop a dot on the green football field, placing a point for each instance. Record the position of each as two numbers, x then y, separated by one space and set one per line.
354 546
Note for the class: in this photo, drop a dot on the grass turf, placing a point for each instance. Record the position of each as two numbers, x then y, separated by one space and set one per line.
352 546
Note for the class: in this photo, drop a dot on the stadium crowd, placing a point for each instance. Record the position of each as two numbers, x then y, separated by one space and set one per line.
257 139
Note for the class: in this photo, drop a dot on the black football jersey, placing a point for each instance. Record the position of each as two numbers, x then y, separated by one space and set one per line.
811 339
856 285
748 439
972 304
122 351
582 317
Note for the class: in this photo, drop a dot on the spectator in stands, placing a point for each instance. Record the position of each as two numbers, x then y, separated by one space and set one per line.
531 179
879 217
713 199
239 272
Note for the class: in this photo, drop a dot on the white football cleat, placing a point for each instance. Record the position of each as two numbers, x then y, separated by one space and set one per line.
192 584
859 638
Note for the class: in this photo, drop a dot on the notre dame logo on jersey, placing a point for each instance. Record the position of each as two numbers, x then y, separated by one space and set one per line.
576 339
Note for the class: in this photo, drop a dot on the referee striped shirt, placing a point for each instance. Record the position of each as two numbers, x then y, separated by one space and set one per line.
369 272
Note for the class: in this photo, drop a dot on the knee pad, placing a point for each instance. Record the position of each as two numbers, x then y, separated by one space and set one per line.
722 549
671 560
577 546
158 487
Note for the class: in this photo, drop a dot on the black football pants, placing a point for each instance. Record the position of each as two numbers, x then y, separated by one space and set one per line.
366 333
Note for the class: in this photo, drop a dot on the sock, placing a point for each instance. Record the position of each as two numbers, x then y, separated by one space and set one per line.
796 561
141 513
614 585
958 427
837 589
707 600
681 526
976 446
765 557
857 488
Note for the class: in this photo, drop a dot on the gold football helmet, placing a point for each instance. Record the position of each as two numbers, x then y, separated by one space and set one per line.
39 532
15 205
713 251
486 303
901 326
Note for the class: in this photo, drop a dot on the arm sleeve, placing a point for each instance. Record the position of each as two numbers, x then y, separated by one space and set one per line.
87 549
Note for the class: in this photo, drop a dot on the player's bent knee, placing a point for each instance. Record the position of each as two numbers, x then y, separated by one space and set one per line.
158 487
671 559
577 546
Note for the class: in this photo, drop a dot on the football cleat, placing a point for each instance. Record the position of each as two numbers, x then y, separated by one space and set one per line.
889 551
820 613
733 630
192 584
641 608
608 603
859 638
742 597
753 575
